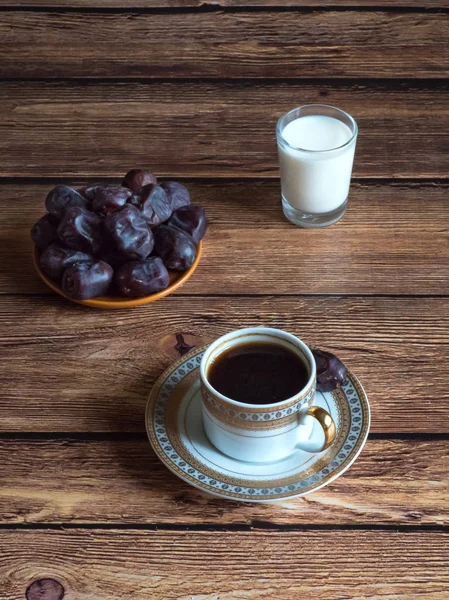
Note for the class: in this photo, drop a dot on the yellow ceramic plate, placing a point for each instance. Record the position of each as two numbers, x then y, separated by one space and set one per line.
176 280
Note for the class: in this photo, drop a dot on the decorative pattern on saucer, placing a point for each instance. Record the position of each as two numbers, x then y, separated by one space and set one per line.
174 426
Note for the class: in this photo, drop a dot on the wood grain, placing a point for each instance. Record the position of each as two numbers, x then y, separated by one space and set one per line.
226 4
325 565
67 368
221 44
128 97
393 240
213 129
72 481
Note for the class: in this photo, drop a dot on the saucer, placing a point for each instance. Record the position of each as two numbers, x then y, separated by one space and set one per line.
175 428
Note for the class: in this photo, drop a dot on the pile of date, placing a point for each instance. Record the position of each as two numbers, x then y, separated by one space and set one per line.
118 240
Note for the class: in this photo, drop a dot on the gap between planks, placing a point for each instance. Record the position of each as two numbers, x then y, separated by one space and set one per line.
413 182
120 436
205 527
216 7
375 82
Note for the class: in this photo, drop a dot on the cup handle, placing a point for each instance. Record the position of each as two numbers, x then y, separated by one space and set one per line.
327 425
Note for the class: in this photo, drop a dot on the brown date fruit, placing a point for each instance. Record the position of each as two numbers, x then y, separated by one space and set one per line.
55 259
154 204
90 191
141 278
109 199
80 229
175 247
129 232
192 220
83 280
177 193
330 371
62 197
113 257
44 232
137 178
82 190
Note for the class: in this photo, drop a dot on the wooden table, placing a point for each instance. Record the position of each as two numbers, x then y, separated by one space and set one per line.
193 90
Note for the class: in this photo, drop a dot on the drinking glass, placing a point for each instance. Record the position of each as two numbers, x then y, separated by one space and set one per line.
315 182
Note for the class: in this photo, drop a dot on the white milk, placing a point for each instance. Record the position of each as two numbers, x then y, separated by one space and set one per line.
316 181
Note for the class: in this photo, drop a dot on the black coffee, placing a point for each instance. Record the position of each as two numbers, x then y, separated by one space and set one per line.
258 373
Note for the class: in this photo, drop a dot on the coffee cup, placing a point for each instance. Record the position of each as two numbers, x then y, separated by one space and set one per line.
255 431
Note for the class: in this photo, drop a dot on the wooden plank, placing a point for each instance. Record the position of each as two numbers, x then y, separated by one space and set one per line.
123 482
288 44
68 368
325 565
227 4
393 240
210 129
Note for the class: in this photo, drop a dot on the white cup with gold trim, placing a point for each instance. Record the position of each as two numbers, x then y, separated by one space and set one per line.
263 432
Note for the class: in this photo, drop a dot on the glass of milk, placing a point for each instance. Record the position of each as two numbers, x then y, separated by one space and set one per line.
316 146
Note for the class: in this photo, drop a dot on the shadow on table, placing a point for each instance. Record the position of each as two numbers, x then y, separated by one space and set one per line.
247 205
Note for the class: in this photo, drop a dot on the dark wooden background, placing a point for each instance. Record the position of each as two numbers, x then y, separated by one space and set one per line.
193 90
